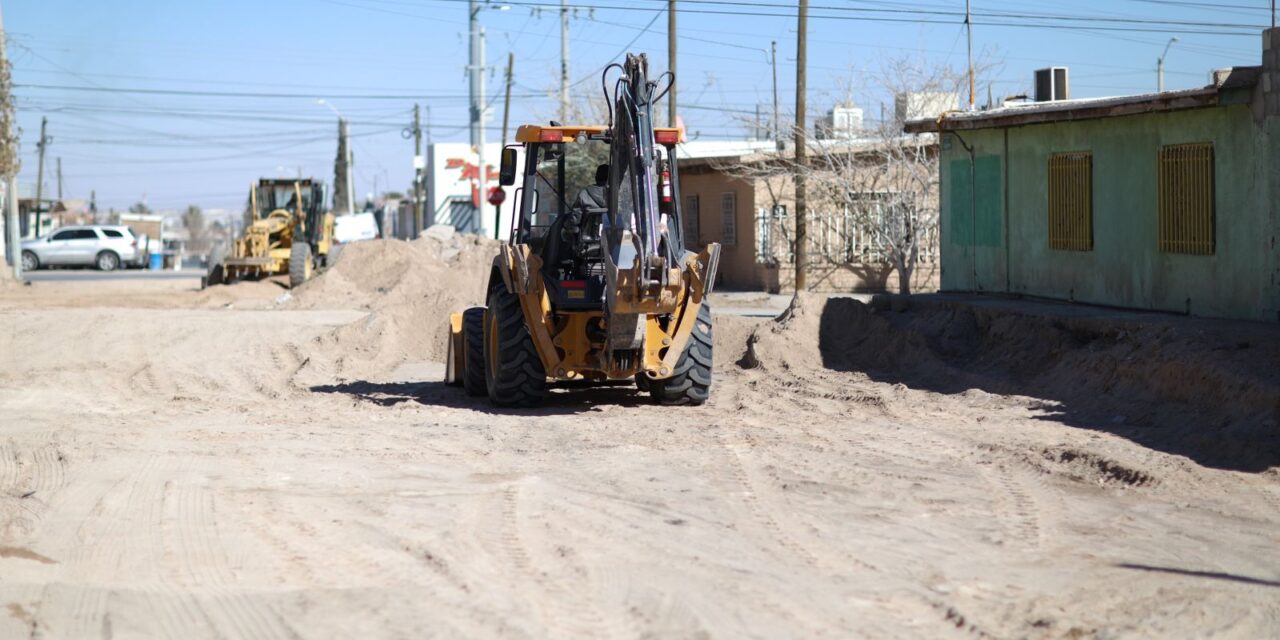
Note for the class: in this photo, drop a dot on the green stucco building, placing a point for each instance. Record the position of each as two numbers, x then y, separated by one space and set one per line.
1168 201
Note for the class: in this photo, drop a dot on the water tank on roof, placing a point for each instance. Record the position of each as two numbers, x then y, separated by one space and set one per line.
1051 84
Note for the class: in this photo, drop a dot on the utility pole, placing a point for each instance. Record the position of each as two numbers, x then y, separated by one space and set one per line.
344 171
476 74
564 61
773 60
671 58
59 178
506 120
351 166
41 145
482 175
418 165
802 210
14 236
506 101
968 27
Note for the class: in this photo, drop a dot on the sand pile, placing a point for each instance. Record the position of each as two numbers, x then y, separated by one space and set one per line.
409 290
1197 380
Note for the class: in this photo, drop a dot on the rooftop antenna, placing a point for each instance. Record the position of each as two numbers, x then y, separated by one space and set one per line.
968 27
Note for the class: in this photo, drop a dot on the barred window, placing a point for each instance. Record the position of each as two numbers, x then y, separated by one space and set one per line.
729 219
1071 201
1186 199
764 235
690 217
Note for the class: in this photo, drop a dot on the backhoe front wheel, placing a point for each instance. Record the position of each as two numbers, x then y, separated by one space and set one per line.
513 371
691 382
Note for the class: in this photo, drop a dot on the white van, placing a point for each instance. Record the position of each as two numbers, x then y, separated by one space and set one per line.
353 227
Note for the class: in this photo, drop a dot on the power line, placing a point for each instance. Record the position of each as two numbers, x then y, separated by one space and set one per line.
240 94
1189 28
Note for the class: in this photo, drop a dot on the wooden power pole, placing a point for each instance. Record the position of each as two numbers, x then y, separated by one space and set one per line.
564 63
506 120
671 58
802 211
506 100
44 142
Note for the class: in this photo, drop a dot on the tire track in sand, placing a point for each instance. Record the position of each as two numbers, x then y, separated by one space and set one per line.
1014 505
117 539
191 535
570 609
30 477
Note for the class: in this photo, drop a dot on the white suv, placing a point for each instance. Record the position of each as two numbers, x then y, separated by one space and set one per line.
106 247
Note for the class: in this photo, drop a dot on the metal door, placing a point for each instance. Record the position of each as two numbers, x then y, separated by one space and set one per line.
55 250
82 248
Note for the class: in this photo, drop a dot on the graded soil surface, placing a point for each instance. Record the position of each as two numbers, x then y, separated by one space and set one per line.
252 462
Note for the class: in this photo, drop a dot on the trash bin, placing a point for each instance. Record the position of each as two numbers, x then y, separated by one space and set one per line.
157 260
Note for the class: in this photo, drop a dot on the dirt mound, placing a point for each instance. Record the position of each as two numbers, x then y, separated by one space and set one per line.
790 341
408 288
1181 385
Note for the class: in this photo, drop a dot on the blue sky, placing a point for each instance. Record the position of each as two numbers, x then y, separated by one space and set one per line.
176 150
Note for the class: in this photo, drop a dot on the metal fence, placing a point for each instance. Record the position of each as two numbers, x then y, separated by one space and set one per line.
849 235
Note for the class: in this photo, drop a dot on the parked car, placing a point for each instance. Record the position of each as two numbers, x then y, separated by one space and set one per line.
107 247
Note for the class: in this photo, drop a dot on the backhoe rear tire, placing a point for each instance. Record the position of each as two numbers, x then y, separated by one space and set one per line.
473 380
300 264
691 382
513 369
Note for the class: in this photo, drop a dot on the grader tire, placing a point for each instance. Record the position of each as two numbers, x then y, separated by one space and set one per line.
300 264
691 382
473 380
513 369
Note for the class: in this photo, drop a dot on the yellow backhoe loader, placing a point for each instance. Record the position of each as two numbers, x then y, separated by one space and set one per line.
288 232
595 283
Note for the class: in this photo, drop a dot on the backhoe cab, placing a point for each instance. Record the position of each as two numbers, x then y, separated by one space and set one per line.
594 283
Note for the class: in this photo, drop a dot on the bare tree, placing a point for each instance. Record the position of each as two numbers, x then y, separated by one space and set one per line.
873 193
193 221
880 200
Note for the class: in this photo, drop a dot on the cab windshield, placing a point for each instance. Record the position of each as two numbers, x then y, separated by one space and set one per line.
281 197
564 174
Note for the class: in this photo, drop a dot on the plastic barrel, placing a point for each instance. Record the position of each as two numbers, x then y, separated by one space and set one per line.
157 261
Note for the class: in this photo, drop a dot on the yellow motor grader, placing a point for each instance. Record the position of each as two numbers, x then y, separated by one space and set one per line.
595 283
289 232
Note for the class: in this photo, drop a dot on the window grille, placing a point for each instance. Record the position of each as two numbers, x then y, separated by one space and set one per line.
1071 201
1186 222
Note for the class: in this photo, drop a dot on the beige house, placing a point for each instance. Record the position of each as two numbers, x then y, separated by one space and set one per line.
736 201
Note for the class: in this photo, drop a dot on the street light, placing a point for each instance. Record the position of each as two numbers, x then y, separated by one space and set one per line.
1160 65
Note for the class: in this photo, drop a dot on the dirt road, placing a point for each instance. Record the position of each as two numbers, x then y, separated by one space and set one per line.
236 463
